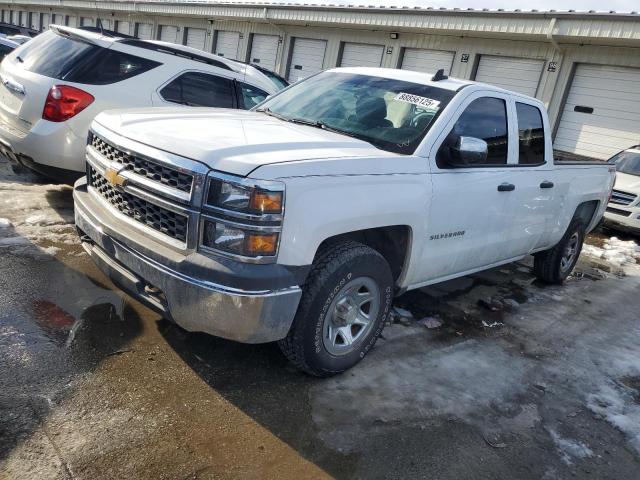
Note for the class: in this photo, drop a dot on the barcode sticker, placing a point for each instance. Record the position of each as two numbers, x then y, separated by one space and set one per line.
424 102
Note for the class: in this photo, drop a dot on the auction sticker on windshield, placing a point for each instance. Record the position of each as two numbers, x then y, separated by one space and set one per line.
423 102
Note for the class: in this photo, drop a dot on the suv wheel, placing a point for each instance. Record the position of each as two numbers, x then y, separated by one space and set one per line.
344 306
555 265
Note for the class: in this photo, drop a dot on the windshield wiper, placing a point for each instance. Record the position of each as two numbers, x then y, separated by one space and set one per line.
273 114
313 123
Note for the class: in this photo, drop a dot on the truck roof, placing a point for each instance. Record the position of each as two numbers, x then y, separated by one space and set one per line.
450 83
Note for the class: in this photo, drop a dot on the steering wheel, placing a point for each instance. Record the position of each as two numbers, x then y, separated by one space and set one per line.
415 121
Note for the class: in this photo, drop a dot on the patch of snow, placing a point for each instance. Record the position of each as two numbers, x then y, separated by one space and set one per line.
491 325
615 406
569 448
50 250
615 251
37 212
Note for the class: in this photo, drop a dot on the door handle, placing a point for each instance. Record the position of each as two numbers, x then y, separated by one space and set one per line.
546 184
506 187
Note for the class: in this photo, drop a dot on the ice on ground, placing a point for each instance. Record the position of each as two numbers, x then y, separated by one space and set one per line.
569 448
4 223
614 250
618 408
11 241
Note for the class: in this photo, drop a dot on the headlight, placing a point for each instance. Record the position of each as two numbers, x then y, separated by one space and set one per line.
250 199
239 240
242 218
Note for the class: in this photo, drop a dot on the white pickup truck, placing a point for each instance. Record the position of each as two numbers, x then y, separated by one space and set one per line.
300 221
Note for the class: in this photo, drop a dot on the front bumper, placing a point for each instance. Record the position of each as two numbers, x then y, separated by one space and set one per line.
623 218
195 302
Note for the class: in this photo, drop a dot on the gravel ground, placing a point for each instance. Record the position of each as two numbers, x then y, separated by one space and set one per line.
520 380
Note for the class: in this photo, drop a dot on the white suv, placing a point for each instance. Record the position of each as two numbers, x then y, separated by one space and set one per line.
53 87
623 211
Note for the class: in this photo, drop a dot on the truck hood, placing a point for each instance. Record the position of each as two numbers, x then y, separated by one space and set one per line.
232 141
627 183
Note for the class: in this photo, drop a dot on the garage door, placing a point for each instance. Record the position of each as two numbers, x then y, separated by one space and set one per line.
144 31
196 38
602 112
227 44
429 61
264 50
105 22
14 17
86 22
307 57
123 27
72 21
35 20
361 55
520 75
45 21
24 19
58 19
169 33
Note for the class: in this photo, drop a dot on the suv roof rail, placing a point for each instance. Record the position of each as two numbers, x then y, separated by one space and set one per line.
106 33
173 51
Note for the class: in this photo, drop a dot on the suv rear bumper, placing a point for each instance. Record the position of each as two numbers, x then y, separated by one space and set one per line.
47 144
194 303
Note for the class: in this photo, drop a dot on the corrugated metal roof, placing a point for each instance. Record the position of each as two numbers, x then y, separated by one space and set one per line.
570 26
337 6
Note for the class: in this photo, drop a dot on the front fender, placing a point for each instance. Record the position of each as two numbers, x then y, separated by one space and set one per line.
318 208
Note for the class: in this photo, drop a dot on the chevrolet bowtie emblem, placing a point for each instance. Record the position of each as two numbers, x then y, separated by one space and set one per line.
114 178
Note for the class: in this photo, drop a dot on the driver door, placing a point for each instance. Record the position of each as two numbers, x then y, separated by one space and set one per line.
469 212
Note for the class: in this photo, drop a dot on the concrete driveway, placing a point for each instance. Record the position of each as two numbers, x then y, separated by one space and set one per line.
520 381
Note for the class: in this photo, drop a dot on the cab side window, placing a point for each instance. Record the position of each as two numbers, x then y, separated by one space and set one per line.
484 119
200 90
249 95
530 134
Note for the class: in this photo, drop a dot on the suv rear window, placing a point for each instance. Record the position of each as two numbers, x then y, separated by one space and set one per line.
63 58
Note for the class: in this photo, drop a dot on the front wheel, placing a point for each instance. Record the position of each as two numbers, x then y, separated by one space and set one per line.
344 306
555 265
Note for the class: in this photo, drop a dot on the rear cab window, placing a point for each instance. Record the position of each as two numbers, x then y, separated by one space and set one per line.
531 139
73 60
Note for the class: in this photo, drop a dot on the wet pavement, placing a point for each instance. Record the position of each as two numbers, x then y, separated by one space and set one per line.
521 380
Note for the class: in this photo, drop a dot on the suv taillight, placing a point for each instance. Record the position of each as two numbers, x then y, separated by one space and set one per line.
65 102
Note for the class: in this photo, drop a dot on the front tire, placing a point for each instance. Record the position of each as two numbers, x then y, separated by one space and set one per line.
345 303
554 265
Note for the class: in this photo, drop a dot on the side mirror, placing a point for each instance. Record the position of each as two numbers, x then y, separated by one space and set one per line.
469 151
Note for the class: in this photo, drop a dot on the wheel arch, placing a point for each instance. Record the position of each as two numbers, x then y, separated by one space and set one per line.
393 242
587 212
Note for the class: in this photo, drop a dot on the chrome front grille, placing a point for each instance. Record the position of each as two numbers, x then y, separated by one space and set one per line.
143 167
622 198
147 213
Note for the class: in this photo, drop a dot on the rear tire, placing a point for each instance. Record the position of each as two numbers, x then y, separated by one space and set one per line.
345 303
556 264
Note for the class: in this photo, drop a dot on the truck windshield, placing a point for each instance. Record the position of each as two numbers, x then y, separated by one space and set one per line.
392 115
627 162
